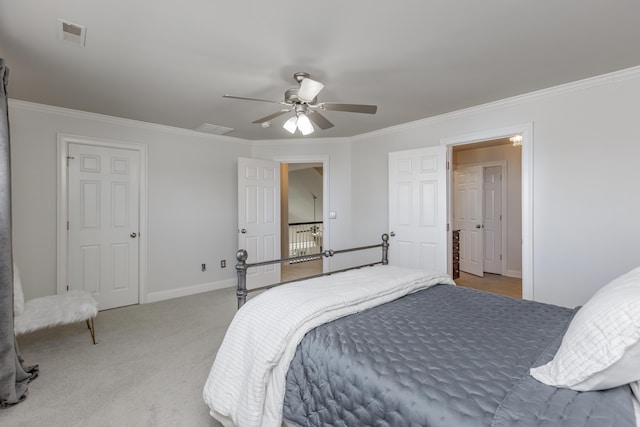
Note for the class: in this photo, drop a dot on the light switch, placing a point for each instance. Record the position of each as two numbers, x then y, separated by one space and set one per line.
333 215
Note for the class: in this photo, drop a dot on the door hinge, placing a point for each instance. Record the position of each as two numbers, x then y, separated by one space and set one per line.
448 227
500 217
67 225
67 287
500 257
448 165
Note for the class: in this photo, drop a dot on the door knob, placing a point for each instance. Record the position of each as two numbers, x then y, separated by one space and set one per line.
478 226
133 235
392 234
243 231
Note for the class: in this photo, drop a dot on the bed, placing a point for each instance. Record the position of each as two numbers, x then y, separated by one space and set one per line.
384 345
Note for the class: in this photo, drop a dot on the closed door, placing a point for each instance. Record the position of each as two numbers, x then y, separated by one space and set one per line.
103 197
468 210
417 209
259 218
493 219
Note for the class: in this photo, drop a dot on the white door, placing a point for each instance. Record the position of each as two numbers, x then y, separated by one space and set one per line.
103 194
493 219
468 218
259 218
417 208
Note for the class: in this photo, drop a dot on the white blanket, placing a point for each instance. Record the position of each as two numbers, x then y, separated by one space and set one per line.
246 385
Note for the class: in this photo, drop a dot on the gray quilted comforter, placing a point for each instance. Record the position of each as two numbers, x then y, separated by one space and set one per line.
444 356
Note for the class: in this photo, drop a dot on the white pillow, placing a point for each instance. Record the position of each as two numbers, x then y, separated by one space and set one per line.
18 295
601 348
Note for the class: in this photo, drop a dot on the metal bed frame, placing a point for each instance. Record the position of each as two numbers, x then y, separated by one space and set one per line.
242 266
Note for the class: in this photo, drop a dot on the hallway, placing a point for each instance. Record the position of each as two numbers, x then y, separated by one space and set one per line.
300 270
495 283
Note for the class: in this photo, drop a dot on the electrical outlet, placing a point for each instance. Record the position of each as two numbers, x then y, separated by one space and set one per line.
223 263
204 267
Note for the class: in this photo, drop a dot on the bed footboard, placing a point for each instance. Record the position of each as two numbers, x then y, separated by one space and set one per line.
242 266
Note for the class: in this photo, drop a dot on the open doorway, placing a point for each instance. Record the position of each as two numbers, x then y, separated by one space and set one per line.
486 206
302 207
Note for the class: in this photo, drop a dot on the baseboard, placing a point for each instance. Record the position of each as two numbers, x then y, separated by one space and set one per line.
514 273
190 290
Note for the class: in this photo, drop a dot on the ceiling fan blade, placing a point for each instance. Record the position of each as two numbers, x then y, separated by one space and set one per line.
320 120
253 99
352 108
309 89
270 116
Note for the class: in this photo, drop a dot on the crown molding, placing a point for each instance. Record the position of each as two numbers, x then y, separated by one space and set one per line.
67 112
591 82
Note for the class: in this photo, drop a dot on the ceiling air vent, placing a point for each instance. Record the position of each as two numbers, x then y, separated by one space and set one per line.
72 33
214 129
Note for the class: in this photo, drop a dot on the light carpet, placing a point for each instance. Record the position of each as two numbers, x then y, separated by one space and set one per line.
148 368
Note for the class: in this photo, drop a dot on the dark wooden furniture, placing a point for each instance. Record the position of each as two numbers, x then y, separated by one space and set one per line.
456 254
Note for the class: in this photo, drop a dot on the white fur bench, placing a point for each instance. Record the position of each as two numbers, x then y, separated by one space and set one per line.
53 310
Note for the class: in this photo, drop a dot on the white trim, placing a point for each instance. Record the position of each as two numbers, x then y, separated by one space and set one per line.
326 223
119 121
526 129
514 273
190 290
62 201
505 211
62 216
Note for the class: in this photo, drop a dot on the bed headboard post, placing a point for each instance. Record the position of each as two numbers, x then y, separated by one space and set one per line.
241 271
385 249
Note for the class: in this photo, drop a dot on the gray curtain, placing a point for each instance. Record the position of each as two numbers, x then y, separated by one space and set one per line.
14 376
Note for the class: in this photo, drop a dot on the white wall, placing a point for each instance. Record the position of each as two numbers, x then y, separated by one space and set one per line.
513 207
585 188
192 195
585 196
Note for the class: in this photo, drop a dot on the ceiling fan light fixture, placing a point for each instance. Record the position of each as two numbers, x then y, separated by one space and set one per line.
291 125
303 102
309 89
304 124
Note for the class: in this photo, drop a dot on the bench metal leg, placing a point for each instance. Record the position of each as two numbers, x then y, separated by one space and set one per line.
92 330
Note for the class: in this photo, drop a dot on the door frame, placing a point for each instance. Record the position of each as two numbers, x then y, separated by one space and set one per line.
63 203
503 195
326 227
526 129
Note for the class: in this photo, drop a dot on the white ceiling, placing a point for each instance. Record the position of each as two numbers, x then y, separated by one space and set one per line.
170 62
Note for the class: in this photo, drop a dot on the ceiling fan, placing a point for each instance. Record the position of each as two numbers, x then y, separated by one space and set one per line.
303 101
